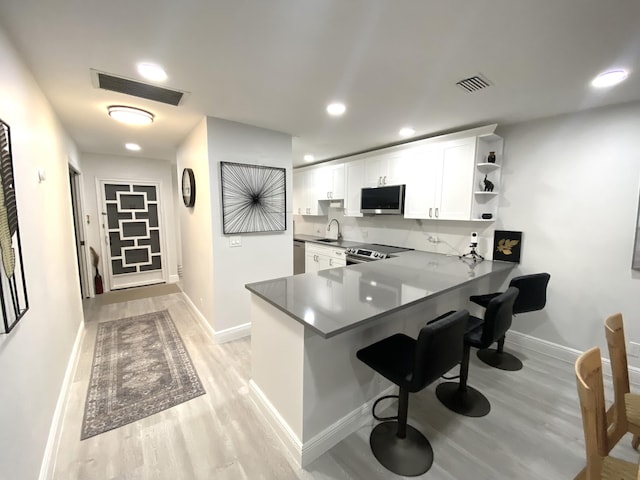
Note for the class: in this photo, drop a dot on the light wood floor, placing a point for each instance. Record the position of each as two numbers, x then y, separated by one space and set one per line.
533 432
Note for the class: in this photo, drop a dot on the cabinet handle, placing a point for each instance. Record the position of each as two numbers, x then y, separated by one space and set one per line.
328 194
384 180
331 262
437 212
379 181
430 212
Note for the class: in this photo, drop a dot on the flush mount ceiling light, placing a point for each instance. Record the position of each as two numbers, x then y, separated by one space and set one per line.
130 115
134 147
406 132
152 72
309 158
336 109
609 78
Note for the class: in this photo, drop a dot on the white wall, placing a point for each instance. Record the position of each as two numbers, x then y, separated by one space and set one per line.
262 256
571 184
96 166
34 356
195 225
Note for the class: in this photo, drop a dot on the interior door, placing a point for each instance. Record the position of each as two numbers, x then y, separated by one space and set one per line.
133 233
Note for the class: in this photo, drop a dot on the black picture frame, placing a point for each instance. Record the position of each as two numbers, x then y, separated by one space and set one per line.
13 288
635 258
507 246
254 198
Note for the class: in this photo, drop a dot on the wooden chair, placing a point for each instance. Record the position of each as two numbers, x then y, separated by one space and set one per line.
600 466
625 411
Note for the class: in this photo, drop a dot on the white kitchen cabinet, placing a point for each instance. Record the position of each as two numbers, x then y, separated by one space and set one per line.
386 169
441 183
321 257
354 175
330 182
305 194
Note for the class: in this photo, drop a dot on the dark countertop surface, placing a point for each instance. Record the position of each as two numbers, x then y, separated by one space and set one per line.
339 299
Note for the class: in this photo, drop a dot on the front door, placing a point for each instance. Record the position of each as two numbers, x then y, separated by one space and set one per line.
133 233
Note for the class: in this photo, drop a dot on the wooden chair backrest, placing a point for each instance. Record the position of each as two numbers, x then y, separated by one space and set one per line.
614 331
594 418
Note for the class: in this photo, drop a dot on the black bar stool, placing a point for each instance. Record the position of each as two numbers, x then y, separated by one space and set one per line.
532 297
460 397
412 365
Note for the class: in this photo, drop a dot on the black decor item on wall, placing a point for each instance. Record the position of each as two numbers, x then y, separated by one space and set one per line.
13 288
507 246
253 198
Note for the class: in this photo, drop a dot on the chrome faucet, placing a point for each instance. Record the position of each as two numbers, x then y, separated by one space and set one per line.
338 223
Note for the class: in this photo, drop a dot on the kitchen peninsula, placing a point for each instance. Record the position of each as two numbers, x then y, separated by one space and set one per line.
307 328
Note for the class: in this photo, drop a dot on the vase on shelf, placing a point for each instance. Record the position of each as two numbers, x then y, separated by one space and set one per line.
492 157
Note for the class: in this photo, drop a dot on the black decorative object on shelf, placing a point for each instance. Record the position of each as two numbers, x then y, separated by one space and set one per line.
492 157
488 184
188 187
13 288
253 198
487 216
507 246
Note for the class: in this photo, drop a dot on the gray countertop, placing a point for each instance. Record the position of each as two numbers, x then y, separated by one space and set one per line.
339 299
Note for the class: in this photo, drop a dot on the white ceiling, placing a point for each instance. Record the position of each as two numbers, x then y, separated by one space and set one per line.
278 63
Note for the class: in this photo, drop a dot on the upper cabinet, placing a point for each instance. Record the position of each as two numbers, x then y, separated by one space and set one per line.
354 175
387 168
330 182
453 177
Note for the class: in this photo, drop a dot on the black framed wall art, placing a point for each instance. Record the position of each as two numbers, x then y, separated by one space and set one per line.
13 288
253 198
507 246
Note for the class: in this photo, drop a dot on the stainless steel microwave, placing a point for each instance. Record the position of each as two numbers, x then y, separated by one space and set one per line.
387 200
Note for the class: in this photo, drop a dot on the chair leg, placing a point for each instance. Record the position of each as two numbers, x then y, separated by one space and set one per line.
498 358
460 397
399 447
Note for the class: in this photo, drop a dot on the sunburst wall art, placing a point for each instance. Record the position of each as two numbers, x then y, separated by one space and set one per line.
13 289
253 198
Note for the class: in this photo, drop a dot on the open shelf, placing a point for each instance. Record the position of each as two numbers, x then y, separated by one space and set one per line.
488 166
486 193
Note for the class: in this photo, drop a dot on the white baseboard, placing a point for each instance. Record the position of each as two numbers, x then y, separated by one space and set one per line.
307 452
222 336
289 439
560 352
334 434
51 450
174 278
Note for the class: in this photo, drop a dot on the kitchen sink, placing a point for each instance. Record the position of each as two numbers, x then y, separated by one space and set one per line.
328 240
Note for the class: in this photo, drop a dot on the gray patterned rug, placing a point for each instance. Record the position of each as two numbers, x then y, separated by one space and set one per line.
140 367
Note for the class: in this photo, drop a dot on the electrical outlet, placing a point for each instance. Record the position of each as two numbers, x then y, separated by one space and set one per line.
634 349
434 239
235 241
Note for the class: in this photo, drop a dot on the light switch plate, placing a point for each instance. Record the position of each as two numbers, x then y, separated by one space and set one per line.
235 241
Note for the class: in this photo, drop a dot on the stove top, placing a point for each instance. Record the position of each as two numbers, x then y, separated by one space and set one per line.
374 251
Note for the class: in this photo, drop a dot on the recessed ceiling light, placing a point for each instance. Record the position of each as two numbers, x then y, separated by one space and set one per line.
153 72
610 78
133 147
309 158
406 132
130 115
336 109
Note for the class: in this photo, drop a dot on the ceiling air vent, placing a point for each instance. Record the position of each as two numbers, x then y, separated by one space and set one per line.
136 89
473 84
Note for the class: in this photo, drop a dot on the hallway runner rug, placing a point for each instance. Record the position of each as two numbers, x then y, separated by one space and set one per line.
140 367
